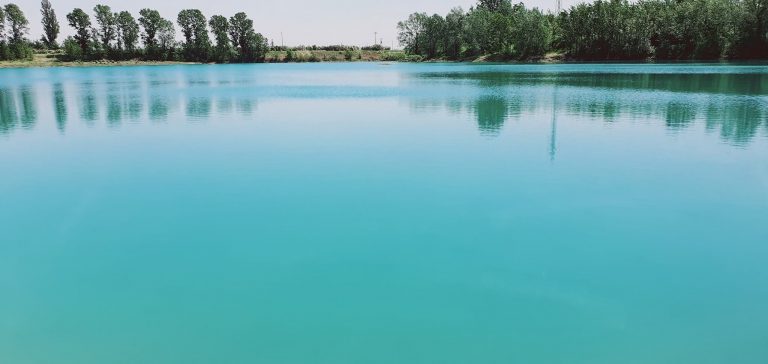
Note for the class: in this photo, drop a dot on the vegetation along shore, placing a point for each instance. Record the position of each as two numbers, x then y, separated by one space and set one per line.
492 30
601 30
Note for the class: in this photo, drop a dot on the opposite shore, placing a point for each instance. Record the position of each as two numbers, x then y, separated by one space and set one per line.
45 60
490 31
56 59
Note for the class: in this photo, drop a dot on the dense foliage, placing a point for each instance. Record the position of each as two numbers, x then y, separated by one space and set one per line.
602 30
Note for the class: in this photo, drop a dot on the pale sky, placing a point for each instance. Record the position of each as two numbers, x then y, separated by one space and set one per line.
302 22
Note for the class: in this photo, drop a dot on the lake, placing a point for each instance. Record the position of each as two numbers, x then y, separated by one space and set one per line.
384 213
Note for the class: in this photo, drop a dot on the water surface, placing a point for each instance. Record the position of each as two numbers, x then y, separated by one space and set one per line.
384 213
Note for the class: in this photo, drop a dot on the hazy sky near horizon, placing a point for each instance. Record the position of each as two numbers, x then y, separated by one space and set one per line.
302 22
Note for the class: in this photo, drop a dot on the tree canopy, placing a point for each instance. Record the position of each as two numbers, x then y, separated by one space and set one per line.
601 30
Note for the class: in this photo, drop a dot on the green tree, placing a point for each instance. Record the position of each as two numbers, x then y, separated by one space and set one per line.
532 33
50 24
453 33
19 26
106 31
239 26
411 31
150 21
488 32
72 49
81 22
220 29
193 25
166 36
434 29
257 48
249 45
127 33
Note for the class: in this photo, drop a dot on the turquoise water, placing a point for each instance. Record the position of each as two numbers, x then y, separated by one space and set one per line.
373 213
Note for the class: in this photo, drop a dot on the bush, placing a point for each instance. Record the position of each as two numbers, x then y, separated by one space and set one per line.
395 56
414 58
72 50
20 50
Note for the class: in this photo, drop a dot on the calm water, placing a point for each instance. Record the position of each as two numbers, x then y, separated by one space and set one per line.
369 213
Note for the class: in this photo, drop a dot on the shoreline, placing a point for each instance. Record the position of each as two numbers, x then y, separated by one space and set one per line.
67 64
44 60
40 62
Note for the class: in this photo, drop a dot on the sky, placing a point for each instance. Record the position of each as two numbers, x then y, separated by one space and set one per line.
302 22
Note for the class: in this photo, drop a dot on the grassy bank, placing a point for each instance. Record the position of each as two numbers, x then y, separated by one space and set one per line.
55 59
336 56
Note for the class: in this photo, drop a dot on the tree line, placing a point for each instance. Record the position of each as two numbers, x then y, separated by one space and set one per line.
601 30
498 29
117 36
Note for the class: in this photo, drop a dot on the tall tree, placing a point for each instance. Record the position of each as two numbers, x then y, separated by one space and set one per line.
166 37
19 26
410 32
532 33
81 22
150 20
250 46
433 33
127 32
239 27
18 23
453 39
50 24
194 27
220 28
106 22
186 20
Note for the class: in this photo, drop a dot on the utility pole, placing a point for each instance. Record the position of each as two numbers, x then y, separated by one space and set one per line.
375 36
559 6
282 43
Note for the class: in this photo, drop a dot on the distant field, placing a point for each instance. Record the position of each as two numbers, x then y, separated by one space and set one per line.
335 56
